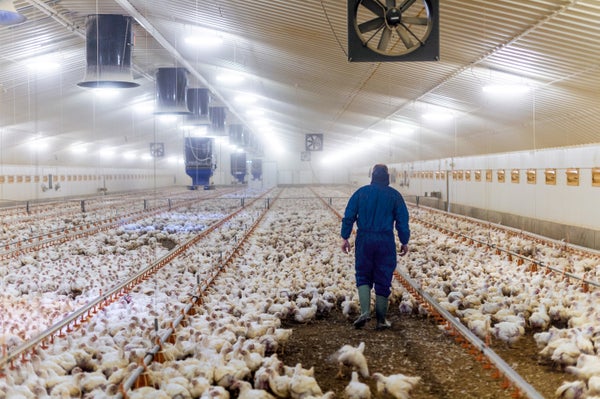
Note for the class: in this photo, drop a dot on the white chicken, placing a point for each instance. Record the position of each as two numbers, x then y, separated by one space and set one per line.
356 389
508 332
571 390
303 386
247 392
396 385
353 357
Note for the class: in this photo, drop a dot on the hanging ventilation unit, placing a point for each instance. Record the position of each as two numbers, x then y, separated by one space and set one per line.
199 161
197 103
393 30
171 91
9 14
238 166
217 120
256 169
238 135
108 52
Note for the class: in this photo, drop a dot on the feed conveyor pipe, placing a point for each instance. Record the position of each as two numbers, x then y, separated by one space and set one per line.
130 382
518 381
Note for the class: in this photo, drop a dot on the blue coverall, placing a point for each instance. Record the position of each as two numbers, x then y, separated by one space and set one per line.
376 208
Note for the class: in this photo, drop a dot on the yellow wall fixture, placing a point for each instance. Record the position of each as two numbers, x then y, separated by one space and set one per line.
531 176
515 176
478 175
596 177
488 175
550 174
572 176
501 176
467 175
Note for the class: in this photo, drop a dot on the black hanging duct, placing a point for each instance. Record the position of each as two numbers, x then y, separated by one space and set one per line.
197 103
217 120
171 91
8 14
108 52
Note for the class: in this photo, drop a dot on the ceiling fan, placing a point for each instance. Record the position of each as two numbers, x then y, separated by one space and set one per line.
393 30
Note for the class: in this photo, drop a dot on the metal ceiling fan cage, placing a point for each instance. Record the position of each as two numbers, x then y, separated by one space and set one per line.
393 30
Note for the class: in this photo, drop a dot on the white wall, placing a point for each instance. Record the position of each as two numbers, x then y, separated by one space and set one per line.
23 182
560 203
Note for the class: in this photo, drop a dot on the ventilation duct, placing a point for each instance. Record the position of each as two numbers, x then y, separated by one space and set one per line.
171 91
197 103
217 120
8 13
108 51
237 135
199 160
238 166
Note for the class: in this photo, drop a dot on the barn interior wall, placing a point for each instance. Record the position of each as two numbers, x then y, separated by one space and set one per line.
562 209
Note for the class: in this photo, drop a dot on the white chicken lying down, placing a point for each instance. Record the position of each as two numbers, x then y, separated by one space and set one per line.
396 385
350 356
356 389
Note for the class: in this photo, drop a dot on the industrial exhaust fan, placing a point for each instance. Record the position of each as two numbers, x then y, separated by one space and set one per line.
393 30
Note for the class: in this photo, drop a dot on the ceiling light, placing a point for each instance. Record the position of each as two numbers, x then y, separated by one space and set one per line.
438 116
8 13
78 148
246 99
107 152
130 155
506 89
43 64
204 39
230 78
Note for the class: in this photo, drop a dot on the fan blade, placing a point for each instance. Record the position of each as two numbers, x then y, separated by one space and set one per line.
371 25
390 4
404 36
375 6
407 4
385 39
414 20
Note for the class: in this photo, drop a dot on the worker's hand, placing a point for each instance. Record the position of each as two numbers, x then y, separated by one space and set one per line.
346 246
403 249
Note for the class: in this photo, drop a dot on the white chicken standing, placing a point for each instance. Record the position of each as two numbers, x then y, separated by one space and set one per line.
353 357
356 389
396 385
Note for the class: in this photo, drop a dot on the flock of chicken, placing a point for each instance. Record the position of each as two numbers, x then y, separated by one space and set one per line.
291 268
228 346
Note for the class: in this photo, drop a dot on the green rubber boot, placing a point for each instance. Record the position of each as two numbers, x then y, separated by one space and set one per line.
364 297
381 307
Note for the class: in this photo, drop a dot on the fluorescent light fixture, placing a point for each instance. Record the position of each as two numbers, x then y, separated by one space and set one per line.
39 143
506 89
246 99
78 148
230 78
255 112
129 155
204 39
43 64
438 116
402 129
107 152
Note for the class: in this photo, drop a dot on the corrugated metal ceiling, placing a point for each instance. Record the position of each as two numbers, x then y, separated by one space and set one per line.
294 54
